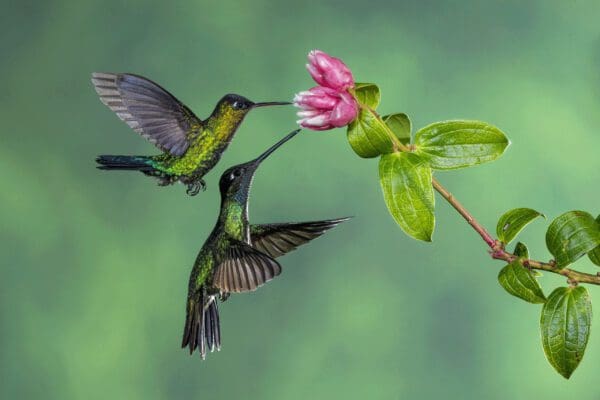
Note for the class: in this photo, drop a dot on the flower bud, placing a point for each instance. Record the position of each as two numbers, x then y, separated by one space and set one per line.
329 71
323 108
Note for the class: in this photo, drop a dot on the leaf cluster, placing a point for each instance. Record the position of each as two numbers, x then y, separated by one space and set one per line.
407 163
566 314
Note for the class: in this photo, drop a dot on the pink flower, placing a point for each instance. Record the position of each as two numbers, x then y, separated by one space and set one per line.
324 108
329 71
329 105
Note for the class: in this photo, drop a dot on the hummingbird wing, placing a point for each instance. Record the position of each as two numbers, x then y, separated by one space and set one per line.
244 269
278 239
148 109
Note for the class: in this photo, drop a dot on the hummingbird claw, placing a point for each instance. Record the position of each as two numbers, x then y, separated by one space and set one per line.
195 187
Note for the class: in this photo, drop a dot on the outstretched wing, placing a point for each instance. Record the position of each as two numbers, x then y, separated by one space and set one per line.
148 109
278 239
244 269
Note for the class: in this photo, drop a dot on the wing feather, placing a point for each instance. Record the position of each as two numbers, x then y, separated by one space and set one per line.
244 269
276 240
148 109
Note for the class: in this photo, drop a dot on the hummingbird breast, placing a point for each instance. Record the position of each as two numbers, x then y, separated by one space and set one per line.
202 155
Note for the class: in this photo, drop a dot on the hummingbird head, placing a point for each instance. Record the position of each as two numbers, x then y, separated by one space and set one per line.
236 181
235 107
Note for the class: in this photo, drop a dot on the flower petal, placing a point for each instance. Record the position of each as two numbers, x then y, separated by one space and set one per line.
307 113
329 71
315 73
317 98
344 112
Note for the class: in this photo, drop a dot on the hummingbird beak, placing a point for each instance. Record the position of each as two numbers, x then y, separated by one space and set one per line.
271 103
267 153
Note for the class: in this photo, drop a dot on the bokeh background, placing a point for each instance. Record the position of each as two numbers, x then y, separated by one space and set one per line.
95 265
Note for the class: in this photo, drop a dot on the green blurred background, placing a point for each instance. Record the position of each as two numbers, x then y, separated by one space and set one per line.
95 265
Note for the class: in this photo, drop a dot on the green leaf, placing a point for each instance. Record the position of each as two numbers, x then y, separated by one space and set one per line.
368 136
521 250
572 235
594 255
513 221
520 282
367 94
460 144
406 183
565 325
400 125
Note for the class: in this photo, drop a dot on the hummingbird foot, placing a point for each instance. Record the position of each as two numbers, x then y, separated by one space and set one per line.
163 179
195 187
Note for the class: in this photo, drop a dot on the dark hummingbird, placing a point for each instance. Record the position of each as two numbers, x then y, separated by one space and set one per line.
191 147
238 257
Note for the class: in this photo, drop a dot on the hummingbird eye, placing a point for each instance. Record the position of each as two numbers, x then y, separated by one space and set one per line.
239 105
235 174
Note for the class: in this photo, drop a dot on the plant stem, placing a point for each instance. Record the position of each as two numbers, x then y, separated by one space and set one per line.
497 250
485 235
572 275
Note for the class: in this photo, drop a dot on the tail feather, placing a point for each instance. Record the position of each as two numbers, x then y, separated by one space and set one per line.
137 163
202 330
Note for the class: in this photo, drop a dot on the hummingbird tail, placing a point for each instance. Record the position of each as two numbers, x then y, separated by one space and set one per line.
202 329
136 163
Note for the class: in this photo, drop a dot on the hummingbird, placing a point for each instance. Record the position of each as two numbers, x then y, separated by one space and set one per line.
238 256
191 147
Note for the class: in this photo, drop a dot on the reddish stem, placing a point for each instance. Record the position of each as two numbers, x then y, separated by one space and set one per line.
485 235
497 250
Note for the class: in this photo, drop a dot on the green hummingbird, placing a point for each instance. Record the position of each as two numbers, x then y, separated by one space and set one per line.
191 147
238 256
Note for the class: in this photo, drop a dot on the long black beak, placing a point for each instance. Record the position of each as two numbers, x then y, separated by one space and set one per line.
271 103
271 149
